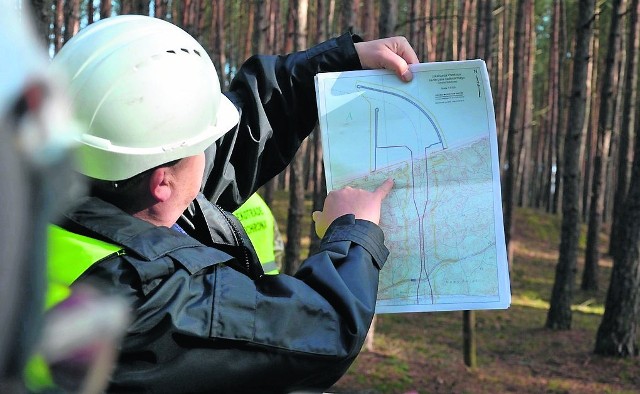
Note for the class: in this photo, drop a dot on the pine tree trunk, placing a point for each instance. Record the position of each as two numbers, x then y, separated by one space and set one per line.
347 15
41 10
369 20
509 22
259 27
160 10
105 9
618 331
295 214
509 188
526 148
319 183
427 50
559 314
587 153
140 7
271 46
605 122
414 11
553 99
497 74
555 205
58 24
628 121
125 7
488 34
389 18
296 181
250 15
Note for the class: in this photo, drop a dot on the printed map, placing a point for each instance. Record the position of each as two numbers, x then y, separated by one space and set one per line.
436 137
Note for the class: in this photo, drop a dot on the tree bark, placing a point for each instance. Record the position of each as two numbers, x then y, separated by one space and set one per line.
587 152
628 121
71 19
41 11
259 27
509 22
559 314
526 147
414 11
347 20
618 331
368 20
389 18
296 185
488 33
105 9
58 26
553 99
605 122
510 183
319 182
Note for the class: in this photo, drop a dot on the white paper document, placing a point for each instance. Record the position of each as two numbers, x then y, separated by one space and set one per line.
436 137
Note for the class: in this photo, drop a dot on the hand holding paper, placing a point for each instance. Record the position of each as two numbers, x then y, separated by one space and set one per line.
393 53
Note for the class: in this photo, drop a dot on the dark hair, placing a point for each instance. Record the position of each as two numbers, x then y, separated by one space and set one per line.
131 194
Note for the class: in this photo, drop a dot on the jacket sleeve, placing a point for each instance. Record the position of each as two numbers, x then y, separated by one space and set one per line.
275 96
277 334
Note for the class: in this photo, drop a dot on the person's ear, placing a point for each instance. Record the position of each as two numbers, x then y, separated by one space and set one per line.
159 185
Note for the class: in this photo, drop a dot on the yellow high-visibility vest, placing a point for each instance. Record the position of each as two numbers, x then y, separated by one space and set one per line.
259 223
68 256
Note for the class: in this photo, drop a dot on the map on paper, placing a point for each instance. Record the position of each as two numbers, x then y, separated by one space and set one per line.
436 137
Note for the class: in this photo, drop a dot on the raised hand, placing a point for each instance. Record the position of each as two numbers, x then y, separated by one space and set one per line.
393 53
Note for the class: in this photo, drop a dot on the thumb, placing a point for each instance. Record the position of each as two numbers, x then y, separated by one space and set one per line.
397 64
403 55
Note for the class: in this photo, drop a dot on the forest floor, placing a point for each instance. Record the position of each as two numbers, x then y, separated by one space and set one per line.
422 352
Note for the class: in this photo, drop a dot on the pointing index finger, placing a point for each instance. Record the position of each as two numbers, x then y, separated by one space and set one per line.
383 190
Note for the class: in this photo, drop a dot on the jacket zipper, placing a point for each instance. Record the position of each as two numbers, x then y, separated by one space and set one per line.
236 237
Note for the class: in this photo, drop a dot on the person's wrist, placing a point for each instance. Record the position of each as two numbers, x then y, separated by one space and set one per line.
348 41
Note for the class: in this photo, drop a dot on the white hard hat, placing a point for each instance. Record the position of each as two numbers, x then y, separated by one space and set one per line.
147 93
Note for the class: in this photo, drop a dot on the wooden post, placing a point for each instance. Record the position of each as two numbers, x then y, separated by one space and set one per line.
469 338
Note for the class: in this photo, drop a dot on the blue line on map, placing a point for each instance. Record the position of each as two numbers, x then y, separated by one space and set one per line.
412 102
421 216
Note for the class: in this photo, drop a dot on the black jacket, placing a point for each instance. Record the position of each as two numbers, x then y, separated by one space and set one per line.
205 318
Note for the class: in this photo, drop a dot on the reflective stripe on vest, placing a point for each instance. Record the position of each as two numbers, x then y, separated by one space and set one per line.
258 222
68 256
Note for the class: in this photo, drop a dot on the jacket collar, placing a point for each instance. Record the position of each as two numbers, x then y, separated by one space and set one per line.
109 223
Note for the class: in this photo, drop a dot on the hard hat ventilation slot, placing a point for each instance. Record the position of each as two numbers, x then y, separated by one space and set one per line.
185 50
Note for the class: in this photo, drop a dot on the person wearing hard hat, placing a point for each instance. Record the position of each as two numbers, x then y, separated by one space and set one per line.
168 157
261 227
